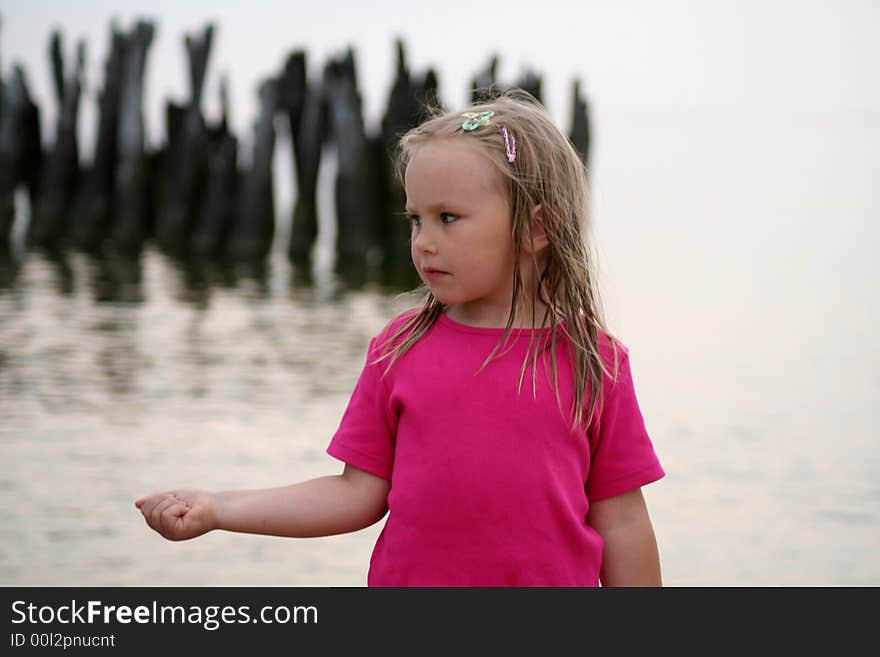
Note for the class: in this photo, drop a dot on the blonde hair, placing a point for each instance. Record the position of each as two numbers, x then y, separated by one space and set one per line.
548 171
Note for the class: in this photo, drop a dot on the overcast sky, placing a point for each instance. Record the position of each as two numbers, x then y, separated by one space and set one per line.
774 55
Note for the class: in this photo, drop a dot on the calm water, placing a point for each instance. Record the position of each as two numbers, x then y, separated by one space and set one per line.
744 284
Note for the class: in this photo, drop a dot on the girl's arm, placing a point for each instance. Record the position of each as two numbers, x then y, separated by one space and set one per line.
630 557
334 504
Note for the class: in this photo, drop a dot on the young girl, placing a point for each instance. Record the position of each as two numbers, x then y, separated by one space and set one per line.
496 425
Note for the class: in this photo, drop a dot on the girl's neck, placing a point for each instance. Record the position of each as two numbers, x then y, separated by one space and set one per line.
497 318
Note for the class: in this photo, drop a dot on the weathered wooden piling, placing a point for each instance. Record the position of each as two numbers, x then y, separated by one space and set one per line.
533 83
21 151
186 161
408 104
484 83
356 190
92 213
580 123
61 171
254 228
305 105
134 171
216 215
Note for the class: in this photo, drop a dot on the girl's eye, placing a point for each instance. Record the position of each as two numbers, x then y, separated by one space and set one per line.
445 217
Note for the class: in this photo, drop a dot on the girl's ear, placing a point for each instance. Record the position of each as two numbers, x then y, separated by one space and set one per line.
539 235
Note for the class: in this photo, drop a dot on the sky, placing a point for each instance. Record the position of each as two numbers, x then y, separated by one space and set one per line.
733 186
629 55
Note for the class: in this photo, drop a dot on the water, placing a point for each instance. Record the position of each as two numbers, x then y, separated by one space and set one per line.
736 255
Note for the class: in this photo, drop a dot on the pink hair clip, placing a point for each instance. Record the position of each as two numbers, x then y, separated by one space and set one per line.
509 145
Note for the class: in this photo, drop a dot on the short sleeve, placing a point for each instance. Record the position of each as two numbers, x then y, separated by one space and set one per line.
365 437
622 455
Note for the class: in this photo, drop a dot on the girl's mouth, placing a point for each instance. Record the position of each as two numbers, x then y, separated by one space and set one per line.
434 274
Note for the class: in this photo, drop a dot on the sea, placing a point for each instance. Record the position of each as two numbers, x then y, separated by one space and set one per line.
736 256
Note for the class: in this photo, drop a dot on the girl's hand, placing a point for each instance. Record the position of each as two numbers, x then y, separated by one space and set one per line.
179 515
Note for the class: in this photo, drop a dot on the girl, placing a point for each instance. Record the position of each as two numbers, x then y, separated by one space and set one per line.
496 425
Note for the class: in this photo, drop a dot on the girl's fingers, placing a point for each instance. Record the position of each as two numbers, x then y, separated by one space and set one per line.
156 512
148 503
164 513
170 519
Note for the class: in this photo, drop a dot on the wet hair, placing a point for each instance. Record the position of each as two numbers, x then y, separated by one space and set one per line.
548 171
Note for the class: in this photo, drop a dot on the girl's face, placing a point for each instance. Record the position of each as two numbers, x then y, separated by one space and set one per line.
462 230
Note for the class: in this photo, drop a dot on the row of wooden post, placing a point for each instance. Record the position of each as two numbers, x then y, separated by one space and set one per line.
192 197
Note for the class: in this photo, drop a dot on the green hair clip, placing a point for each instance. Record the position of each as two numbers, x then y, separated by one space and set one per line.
472 120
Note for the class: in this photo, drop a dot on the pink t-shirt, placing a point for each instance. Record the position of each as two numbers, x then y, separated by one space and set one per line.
489 486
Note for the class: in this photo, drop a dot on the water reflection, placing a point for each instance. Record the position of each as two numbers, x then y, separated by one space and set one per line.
118 278
118 376
122 377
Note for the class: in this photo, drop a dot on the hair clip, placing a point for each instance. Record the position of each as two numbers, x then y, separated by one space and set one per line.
473 120
509 145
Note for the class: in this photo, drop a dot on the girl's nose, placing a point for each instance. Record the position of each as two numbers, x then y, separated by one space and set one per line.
424 241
